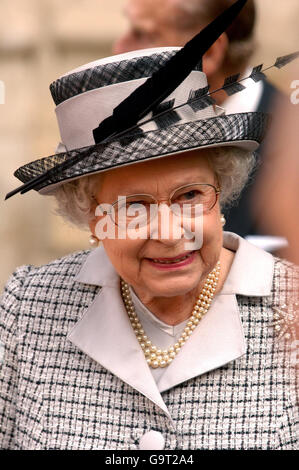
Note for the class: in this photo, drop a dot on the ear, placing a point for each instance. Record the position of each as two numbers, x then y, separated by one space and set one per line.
96 216
93 219
92 226
215 56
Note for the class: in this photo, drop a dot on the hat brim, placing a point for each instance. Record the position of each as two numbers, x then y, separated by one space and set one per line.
245 131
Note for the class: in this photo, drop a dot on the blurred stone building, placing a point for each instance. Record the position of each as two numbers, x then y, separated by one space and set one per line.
39 41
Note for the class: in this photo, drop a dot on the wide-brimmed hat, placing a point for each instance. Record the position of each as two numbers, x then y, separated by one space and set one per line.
86 96
88 101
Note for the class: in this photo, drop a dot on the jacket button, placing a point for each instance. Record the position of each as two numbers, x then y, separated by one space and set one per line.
152 440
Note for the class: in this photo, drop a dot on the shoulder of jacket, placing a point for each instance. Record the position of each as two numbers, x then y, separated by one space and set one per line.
286 275
68 263
285 264
285 299
65 267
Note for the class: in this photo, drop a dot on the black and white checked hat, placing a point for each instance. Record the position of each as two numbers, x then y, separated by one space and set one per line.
87 95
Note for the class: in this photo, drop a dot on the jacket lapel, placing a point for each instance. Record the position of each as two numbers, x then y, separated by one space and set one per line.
105 334
219 339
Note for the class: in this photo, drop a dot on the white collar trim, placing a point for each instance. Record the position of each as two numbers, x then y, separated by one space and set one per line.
251 273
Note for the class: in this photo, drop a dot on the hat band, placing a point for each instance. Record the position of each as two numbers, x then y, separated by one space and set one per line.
79 115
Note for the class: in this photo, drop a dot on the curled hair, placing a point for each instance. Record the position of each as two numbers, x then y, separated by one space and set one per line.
232 167
75 200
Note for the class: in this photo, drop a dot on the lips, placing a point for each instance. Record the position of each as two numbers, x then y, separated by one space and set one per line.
174 260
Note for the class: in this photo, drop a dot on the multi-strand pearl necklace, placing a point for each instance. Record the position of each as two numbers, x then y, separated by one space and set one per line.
161 358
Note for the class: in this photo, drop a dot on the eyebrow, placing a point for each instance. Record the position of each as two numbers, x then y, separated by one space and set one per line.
175 186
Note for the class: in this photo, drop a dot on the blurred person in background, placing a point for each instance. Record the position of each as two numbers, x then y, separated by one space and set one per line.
275 201
154 23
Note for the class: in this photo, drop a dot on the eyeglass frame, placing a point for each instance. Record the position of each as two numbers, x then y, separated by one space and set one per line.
217 190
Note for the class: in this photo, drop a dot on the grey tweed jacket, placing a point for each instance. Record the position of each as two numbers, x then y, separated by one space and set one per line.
54 394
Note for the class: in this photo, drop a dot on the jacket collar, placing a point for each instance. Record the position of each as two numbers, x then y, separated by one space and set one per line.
251 273
105 334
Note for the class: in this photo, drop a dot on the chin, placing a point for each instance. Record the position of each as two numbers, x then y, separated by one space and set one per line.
172 288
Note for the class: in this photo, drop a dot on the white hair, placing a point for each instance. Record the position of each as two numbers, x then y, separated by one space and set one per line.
232 167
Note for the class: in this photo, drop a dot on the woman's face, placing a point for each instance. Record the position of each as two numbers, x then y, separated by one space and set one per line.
133 258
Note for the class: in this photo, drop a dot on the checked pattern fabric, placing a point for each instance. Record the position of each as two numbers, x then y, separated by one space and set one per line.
54 396
144 146
108 74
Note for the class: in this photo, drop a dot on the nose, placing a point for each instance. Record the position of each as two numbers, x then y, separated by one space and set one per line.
166 226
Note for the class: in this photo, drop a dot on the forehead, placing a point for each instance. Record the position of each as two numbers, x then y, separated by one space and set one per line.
158 175
149 11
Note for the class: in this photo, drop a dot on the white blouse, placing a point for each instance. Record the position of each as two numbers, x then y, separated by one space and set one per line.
161 334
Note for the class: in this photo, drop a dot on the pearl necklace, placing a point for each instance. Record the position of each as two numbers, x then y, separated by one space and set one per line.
156 357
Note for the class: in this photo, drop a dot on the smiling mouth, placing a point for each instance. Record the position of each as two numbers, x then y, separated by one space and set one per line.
178 259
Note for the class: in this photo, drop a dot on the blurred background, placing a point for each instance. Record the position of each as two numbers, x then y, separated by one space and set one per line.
39 41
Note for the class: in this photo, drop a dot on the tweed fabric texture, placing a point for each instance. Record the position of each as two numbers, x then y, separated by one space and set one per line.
109 74
54 396
161 142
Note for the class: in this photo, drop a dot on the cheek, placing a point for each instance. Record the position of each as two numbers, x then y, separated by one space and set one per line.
212 235
125 256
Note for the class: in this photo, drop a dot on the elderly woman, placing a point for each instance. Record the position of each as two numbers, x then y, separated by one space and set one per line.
171 334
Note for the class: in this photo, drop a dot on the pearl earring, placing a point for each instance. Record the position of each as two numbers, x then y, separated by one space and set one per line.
222 219
93 241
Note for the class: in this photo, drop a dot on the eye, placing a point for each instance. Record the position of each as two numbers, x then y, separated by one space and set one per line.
139 34
137 203
192 195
